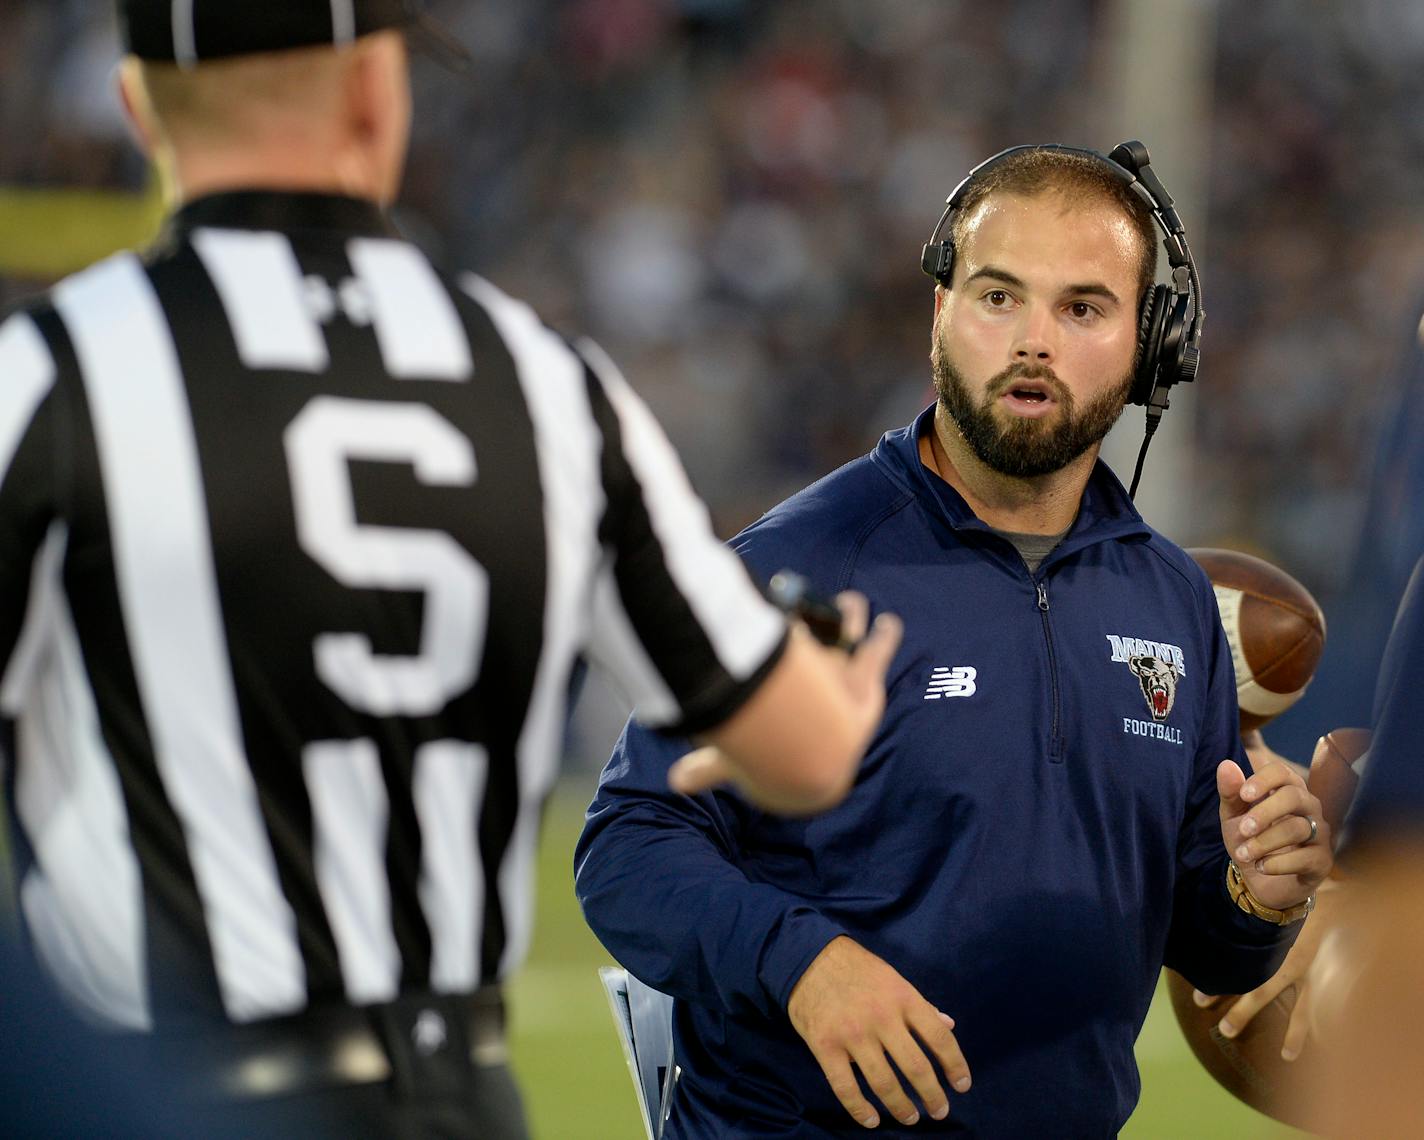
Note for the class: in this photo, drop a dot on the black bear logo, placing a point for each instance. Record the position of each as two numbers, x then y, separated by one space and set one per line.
1159 684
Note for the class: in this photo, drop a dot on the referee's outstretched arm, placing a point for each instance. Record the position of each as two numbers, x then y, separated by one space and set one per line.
795 745
681 628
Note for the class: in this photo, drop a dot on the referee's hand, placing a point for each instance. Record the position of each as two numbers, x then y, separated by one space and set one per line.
794 747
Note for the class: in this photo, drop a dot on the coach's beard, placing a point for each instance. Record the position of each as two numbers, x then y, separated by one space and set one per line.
1024 448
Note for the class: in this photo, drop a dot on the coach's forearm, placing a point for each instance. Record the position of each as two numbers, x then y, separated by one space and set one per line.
687 922
656 877
1215 946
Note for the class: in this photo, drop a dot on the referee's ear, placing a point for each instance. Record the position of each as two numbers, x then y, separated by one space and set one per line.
145 126
138 111
376 133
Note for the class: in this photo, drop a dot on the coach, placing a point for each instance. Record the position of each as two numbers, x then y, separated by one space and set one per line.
1055 805
300 539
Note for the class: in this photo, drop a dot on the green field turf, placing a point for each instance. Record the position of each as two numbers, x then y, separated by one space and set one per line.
578 1088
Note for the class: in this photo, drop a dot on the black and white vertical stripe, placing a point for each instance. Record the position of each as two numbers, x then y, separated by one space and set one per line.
351 810
158 521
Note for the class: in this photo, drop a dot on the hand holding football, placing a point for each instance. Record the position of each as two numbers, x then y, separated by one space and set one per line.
1249 1065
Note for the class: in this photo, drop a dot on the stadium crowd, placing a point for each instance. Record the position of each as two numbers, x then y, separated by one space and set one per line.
731 197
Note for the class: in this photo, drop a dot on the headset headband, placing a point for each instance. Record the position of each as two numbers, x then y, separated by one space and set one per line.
1129 161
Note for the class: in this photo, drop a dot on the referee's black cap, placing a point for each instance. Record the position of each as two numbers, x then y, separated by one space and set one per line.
188 32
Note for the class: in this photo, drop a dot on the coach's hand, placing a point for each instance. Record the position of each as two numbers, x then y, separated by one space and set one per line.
1260 754
1266 826
1294 971
852 1007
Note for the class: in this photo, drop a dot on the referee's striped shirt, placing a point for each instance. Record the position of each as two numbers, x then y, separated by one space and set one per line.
299 542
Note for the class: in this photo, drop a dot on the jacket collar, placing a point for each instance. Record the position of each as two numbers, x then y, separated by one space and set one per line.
1106 511
286 211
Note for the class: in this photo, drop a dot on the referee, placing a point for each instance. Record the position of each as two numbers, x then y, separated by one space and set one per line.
300 539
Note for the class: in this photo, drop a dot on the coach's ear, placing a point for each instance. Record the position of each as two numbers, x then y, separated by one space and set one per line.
939 292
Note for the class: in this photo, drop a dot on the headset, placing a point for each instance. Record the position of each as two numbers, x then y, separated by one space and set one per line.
1171 317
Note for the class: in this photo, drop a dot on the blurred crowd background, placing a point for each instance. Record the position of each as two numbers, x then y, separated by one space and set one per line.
731 196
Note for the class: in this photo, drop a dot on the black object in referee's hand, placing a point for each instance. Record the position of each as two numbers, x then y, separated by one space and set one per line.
792 594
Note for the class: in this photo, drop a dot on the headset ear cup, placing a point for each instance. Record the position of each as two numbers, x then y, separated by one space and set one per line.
1149 344
946 265
938 261
1172 348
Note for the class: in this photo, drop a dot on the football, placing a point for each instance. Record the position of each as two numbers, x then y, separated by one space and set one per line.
1275 629
1249 1066
1335 772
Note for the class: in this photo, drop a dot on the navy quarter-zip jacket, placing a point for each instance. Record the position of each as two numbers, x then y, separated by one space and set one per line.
1034 831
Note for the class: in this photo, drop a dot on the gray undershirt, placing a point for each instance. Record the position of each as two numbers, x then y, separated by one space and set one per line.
1033 548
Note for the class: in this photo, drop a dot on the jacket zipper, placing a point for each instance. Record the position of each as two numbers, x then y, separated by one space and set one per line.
1055 740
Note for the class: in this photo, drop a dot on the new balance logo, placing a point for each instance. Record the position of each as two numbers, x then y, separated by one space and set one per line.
951 682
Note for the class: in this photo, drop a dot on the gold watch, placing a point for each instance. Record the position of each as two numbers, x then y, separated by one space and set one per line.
1249 904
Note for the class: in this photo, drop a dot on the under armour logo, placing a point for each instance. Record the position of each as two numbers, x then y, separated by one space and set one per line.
957 681
350 298
429 1033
